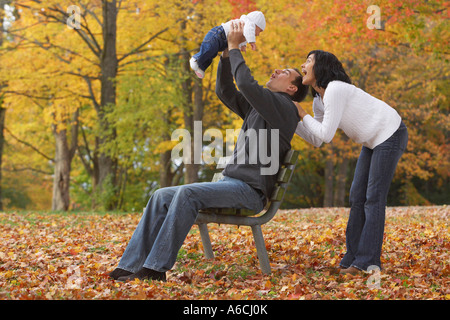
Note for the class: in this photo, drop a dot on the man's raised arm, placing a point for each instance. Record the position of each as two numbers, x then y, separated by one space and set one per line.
277 109
226 90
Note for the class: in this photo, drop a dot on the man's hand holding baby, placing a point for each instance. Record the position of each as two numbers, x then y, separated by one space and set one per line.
236 35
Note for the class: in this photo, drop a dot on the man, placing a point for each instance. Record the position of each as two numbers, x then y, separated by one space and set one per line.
171 212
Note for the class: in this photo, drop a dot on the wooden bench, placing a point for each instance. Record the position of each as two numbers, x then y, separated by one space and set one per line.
244 217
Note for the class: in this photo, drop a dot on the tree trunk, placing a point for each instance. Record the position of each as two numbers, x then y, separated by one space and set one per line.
341 180
195 115
191 168
165 173
329 177
63 162
2 110
61 180
341 176
2 140
107 164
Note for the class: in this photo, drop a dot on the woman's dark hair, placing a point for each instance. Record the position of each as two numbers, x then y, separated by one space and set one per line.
327 68
302 89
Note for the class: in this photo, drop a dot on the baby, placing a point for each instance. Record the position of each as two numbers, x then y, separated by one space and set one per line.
216 40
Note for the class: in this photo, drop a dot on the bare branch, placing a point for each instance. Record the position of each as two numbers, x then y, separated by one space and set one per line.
138 49
29 145
92 13
86 164
90 41
32 96
92 95
74 134
119 5
14 169
81 75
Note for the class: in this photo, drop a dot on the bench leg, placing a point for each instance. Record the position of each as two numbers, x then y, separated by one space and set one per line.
206 241
261 249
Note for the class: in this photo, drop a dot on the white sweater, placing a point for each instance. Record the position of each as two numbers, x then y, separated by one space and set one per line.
363 118
249 29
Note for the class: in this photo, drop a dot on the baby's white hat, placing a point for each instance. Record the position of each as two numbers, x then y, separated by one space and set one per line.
258 18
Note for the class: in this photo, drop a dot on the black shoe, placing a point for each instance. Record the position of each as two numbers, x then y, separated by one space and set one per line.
117 273
145 274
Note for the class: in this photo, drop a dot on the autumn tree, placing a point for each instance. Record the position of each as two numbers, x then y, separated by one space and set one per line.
2 109
93 111
193 94
379 61
92 59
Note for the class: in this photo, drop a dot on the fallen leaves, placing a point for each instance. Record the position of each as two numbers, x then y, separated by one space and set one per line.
69 256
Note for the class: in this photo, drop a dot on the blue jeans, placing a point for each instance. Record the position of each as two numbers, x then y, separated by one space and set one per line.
214 42
368 196
170 214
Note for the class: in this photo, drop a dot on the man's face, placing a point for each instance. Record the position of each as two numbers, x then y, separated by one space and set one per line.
281 81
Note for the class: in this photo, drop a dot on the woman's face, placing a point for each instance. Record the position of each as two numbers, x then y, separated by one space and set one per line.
309 78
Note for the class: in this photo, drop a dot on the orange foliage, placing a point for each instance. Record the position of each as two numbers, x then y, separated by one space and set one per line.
69 257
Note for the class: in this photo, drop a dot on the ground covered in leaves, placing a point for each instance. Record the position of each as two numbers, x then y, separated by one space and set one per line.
68 256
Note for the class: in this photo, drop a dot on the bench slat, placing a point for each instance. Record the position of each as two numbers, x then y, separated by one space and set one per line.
277 194
230 211
291 157
284 175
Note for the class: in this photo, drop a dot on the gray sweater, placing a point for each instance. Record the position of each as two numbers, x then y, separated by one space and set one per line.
262 111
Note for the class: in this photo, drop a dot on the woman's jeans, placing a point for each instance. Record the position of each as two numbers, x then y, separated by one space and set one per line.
170 214
368 196
214 42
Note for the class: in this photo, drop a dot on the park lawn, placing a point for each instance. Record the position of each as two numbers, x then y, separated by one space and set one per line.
45 255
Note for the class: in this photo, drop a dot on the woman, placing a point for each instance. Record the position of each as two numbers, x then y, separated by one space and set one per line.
370 122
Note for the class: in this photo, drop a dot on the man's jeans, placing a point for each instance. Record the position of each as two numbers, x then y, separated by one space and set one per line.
170 214
368 196
214 42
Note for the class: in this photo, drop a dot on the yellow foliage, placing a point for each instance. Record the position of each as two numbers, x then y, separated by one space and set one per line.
50 71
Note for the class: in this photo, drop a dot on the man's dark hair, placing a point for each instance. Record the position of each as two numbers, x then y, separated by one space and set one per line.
327 68
302 89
